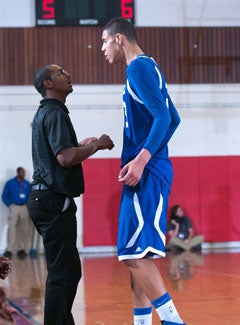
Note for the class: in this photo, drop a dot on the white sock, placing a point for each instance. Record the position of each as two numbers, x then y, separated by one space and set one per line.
166 310
169 313
143 316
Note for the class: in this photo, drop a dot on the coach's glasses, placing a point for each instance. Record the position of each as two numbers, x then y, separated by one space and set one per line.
59 72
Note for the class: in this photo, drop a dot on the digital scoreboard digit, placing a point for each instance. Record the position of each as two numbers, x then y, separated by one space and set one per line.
82 12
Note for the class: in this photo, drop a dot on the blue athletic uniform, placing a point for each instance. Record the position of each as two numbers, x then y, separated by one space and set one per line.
150 119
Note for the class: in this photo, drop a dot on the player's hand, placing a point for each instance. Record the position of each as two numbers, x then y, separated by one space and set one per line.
104 142
131 173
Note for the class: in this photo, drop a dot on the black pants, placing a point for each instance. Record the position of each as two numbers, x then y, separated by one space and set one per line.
59 233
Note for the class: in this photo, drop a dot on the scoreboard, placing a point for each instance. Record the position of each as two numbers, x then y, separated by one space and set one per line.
82 12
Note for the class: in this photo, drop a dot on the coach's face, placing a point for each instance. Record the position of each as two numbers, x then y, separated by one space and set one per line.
112 49
61 79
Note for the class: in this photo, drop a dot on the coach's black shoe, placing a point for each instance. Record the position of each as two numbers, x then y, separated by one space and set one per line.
8 254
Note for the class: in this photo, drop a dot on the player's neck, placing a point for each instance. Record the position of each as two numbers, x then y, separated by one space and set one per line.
132 53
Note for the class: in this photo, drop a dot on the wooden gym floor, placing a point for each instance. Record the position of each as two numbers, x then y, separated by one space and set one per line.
205 288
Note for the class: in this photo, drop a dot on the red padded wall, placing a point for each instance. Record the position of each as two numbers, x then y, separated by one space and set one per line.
208 191
101 201
207 187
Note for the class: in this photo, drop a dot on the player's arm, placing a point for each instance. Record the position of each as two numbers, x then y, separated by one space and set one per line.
147 89
175 120
145 82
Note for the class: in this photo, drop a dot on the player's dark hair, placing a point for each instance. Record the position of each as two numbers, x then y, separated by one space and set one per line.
122 26
43 73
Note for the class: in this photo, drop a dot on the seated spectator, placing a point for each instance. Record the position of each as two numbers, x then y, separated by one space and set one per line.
6 311
181 232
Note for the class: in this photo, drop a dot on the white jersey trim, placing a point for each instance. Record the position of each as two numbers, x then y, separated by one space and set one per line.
131 93
140 221
149 249
157 219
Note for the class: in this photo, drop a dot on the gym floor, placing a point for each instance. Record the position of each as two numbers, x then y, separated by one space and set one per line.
204 286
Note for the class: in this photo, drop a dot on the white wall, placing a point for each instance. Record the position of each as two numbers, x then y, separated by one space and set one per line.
187 13
21 13
17 13
210 125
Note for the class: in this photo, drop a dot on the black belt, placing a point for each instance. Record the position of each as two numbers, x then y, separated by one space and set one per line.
39 187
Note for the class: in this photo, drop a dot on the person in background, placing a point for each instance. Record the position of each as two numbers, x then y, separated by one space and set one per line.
150 119
5 267
15 195
57 180
6 311
181 231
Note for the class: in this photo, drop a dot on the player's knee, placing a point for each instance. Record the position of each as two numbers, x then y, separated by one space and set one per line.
131 263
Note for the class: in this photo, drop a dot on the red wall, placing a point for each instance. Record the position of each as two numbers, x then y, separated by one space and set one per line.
207 187
101 201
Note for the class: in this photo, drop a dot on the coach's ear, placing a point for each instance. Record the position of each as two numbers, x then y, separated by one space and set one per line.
48 84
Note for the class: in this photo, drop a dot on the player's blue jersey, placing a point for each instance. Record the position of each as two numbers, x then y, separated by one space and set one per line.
146 102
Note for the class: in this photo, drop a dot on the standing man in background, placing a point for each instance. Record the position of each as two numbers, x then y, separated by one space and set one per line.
57 179
15 196
150 119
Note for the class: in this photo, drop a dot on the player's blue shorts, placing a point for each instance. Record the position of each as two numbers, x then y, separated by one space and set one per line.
142 218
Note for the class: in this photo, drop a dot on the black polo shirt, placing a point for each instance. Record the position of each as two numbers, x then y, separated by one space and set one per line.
52 131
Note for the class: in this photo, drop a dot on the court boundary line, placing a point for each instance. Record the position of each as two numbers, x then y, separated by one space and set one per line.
23 313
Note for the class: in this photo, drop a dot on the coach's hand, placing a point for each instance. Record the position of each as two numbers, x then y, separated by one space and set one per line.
104 142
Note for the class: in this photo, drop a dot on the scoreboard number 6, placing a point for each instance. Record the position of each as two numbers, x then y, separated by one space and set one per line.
127 9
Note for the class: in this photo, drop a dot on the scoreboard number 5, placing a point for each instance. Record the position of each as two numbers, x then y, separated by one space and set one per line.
48 9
